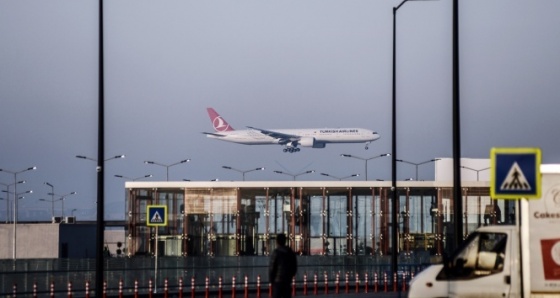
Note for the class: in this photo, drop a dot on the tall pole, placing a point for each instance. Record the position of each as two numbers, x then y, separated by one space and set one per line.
7 203
14 254
52 200
100 165
167 166
365 159
15 173
457 206
365 169
394 240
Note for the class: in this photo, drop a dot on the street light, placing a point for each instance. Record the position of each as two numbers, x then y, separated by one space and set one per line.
19 195
340 178
15 173
394 205
477 171
52 206
8 198
365 159
61 198
167 166
418 164
479 206
92 159
134 179
52 200
243 172
295 175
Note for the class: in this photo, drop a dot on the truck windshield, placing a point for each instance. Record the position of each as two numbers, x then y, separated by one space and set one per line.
481 255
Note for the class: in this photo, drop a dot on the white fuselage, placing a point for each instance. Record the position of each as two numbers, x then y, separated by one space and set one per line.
320 135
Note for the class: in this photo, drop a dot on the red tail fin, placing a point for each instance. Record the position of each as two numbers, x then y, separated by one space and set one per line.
219 123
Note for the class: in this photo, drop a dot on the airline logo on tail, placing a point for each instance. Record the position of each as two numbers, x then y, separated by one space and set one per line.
218 122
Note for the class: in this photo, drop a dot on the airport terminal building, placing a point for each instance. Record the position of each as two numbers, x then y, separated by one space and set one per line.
239 218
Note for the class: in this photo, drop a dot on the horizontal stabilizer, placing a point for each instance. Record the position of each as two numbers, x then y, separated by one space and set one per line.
214 134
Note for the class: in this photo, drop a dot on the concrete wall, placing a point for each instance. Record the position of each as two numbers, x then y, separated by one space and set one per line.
33 241
48 241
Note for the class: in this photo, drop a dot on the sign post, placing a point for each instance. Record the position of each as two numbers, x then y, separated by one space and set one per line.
156 217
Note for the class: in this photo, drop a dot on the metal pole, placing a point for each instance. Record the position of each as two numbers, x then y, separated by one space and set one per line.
457 206
14 246
100 166
366 168
394 242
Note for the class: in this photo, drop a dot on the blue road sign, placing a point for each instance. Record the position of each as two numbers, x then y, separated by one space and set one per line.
515 173
157 215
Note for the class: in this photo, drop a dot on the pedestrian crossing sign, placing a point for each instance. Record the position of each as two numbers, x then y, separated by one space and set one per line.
515 173
156 215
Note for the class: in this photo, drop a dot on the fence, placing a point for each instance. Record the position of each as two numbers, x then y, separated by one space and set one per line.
128 276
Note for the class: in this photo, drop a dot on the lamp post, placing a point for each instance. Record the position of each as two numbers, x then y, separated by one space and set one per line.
479 221
92 159
295 175
61 198
167 166
475 170
100 217
73 211
100 227
418 164
8 197
17 197
365 159
243 172
394 204
340 178
134 179
52 206
15 173
52 200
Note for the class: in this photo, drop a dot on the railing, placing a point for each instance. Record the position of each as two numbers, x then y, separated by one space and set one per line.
134 276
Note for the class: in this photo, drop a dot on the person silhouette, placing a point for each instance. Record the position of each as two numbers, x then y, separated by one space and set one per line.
282 268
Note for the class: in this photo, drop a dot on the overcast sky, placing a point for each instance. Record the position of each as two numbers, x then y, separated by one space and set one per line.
269 64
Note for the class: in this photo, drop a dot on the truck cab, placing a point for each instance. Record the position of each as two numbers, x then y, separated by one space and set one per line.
482 267
504 260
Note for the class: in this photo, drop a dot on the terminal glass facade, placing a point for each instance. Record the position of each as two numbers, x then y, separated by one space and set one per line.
236 219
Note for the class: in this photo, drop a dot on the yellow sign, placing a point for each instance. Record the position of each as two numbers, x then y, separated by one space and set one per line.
156 215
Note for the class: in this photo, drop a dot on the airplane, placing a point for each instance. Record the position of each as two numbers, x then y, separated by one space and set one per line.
290 138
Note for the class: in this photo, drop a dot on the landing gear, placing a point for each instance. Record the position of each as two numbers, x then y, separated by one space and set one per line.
291 149
367 145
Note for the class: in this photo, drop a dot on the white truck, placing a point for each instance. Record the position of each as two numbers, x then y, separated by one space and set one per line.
505 260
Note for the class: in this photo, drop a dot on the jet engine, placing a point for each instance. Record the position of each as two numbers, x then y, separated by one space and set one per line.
311 142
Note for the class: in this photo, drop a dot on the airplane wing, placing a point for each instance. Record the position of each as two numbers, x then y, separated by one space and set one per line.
282 137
